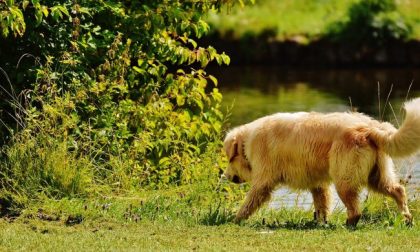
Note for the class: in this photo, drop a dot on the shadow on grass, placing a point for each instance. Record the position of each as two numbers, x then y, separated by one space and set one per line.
385 219
294 225
9 208
217 216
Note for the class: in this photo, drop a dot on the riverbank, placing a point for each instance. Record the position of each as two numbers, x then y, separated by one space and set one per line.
319 53
345 33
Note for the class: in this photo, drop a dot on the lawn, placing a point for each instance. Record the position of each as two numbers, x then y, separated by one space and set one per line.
176 223
147 235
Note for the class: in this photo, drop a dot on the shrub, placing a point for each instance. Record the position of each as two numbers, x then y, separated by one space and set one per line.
372 22
119 98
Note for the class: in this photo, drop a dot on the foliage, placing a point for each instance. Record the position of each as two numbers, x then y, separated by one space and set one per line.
118 98
372 21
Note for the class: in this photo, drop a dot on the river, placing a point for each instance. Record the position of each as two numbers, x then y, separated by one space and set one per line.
252 92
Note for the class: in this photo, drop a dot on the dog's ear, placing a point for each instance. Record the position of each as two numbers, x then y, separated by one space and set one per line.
232 149
240 149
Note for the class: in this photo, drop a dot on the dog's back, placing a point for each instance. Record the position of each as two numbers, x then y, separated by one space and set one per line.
297 146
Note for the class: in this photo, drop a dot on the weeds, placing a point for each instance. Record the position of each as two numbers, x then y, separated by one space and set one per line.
216 215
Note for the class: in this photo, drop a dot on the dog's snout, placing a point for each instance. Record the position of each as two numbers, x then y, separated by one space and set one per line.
223 178
236 179
221 172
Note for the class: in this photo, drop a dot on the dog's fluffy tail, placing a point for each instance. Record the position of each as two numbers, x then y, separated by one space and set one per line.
405 140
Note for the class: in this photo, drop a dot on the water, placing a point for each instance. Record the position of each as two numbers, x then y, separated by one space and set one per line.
252 92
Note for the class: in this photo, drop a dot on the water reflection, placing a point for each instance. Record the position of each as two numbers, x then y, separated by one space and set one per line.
252 92
248 104
256 91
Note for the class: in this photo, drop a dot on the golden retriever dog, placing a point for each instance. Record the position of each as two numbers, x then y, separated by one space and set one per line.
312 150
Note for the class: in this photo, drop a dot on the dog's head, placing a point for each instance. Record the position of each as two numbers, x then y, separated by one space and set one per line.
239 169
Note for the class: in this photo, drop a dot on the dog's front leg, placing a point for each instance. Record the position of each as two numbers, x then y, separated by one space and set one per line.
255 198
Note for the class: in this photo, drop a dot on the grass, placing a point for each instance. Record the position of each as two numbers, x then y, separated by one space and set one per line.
150 236
164 220
300 20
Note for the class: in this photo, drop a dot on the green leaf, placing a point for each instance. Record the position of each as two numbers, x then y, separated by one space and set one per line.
44 10
194 44
199 103
139 70
63 10
204 61
213 79
192 57
85 10
38 17
180 71
180 100
202 57
225 58
216 94
25 4
184 55
165 161
212 52
219 59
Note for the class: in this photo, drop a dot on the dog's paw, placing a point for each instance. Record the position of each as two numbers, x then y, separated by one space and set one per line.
352 222
409 220
238 219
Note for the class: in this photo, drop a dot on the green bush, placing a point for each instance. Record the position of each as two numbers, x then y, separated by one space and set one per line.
371 22
118 100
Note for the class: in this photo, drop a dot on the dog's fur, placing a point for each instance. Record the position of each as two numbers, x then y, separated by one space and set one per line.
312 150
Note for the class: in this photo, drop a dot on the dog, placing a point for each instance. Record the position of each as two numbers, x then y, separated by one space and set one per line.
309 150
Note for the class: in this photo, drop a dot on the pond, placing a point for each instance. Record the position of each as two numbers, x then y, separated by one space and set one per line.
254 91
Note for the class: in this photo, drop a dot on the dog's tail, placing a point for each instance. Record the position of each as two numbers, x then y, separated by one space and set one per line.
405 140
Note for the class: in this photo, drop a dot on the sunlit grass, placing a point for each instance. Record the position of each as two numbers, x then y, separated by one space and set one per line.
148 236
166 221
299 20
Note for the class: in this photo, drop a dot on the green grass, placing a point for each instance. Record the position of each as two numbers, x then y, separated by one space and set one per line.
178 220
146 235
300 20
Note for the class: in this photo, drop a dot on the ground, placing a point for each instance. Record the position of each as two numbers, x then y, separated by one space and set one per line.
160 224
146 235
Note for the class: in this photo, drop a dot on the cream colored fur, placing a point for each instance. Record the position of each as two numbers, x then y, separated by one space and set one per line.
312 150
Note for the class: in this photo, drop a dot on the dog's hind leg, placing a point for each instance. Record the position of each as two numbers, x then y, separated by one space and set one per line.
350 197
350 163
322 201
255 198
382 179
397 192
